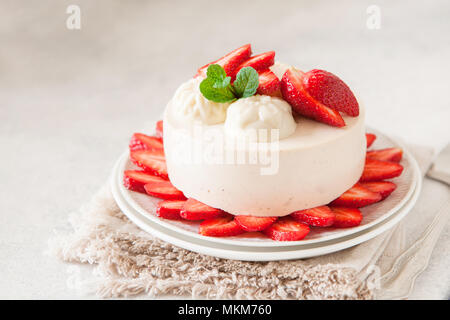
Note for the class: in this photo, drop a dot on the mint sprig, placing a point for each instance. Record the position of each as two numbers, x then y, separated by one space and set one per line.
217 86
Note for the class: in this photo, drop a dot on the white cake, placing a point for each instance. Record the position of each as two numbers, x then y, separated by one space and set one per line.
212 154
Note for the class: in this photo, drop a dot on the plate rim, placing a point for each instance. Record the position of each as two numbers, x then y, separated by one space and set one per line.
122 161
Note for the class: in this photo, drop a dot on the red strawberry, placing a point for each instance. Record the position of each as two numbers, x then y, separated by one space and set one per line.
384 188
370 137
196 210
389 154
346 217
140 141
294 92
250 223
229 62
259 62
135 180
376 170
159 129
170 209
220 227
152 161
356 197
164 190
269 84
318 216
328 89
287 229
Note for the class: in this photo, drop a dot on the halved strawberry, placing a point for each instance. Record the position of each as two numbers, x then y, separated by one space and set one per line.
152 161
346 217
259 62
136 180
140 141
376 170
383 188
356 197
229 62
302 102
331 91
370 137
196 210
170 209
250 223
388 154
220 227
287 229
319 216
269 84
164 190
159 129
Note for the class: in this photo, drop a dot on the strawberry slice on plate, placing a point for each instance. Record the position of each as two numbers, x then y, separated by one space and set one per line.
259 62
370 137
388 154
356 197
318 217
287 229
250 223
220 227
269 84
376 170
164 190
152 161
383 188
196 210
302 102
346 217
331 91
140 141
170 209
159 129
135 180
229 62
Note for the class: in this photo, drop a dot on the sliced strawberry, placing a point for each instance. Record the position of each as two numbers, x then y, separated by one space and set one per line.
376 170
164 190
159 129
250 223
135 180
331 91
140 141
220 227
370 137
346 217
269 84
356 197
383 188
287 229
170 209
389 154
317 217
259 62
196 210
152 161
229 62
294 92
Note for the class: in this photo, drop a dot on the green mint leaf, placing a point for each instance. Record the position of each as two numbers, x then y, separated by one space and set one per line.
221 95
246 82
218 76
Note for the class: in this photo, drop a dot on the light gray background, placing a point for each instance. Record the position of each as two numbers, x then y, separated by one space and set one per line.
69 100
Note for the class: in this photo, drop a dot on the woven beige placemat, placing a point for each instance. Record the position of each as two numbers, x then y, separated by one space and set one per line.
130 262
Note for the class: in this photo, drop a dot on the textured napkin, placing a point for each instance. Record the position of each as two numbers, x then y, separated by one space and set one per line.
129 261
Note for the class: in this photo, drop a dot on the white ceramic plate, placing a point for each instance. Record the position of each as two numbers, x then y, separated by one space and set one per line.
259 253
373 214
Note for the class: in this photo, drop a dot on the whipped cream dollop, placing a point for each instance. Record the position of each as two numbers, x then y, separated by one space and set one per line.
246 116
189 104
